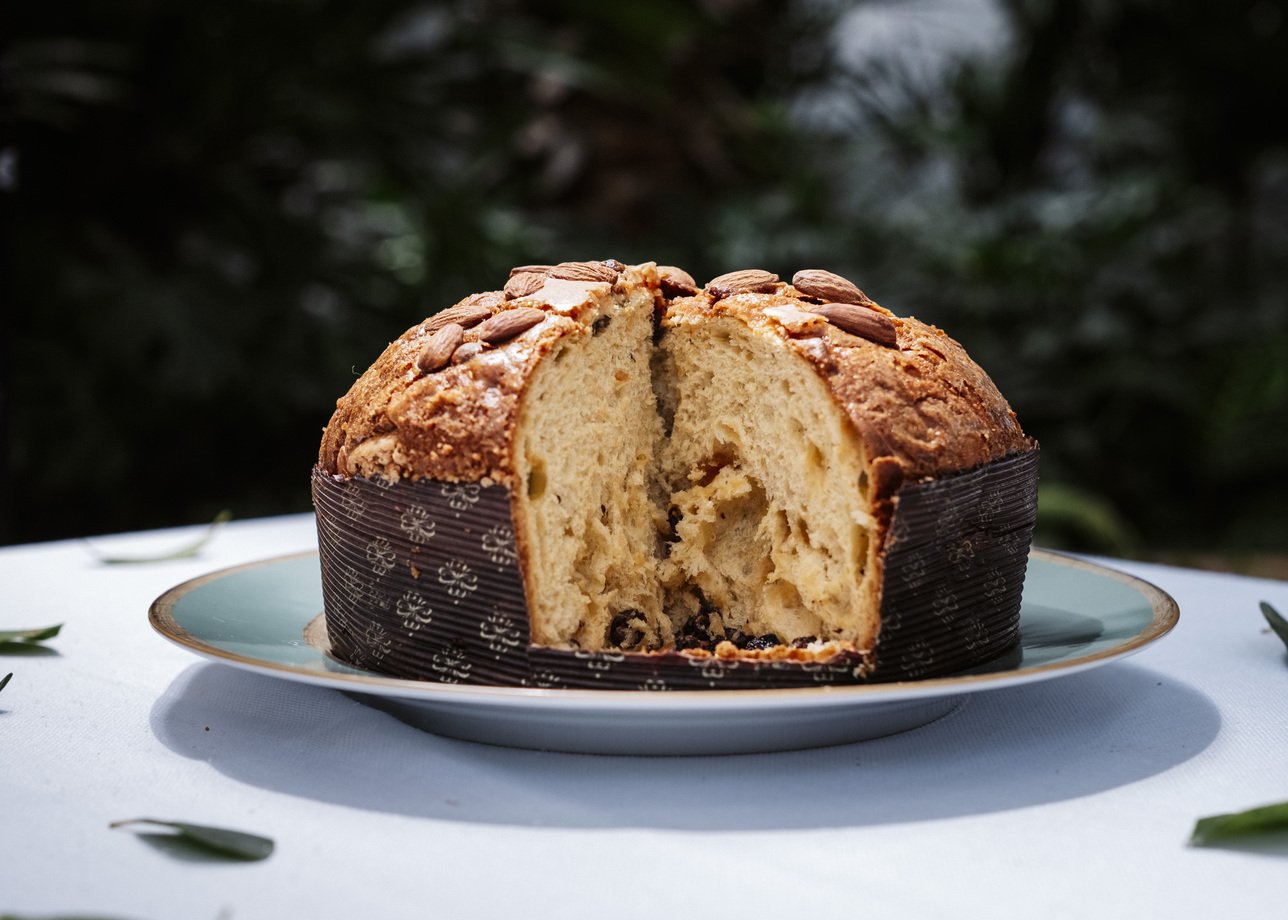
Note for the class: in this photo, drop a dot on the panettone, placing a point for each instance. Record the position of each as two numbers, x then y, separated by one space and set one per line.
604 476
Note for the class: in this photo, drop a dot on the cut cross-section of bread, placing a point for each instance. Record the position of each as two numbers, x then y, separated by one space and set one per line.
768 494
664 476
586 442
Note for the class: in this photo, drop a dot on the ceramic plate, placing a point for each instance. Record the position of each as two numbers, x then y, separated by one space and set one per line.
266 617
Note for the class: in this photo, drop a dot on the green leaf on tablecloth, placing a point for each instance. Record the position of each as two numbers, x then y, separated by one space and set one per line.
217 840
1218 829
25 638
3 682
1276 621
185 551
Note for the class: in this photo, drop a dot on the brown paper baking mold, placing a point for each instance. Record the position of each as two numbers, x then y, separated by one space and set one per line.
421 579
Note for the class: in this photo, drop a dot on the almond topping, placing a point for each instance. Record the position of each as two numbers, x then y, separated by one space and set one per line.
440 347
524 269
506 325
524 284
463 314
466 351
861 321
484 299
814 282
584 271
676 282
749 280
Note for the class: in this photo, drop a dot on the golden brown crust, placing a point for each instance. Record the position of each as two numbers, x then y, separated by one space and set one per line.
457 424
922 408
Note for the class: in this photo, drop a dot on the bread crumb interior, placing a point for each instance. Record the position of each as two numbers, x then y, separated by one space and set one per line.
703 490
586 453
766 479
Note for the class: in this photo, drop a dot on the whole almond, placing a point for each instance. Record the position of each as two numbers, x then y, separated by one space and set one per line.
524 284
464 314
584 271
814 282
861 321
524 269
676 282
466 351
749 280
483 299
440 347
509 323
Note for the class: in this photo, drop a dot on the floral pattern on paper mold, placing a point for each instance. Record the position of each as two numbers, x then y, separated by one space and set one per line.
500 634
457 579
414 610
417 524
461 496
498 544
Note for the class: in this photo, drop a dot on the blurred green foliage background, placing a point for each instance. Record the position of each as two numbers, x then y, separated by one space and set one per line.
215 215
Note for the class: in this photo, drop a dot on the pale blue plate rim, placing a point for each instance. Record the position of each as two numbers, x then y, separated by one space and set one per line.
1059 589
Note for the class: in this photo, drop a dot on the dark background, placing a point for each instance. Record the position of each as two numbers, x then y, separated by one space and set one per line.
214 215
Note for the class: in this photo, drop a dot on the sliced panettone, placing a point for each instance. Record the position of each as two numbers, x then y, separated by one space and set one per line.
685 487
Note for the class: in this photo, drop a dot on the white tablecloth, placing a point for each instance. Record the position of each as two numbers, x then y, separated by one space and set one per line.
1068 798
